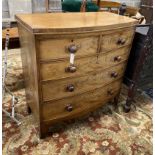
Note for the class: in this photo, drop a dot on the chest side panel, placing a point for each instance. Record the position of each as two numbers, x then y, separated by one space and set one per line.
29 63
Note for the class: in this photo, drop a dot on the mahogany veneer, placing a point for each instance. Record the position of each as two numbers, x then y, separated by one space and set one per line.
57 90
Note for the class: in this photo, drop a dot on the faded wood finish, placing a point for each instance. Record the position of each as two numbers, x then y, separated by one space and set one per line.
77 22
83 102
56 70
82 84
28 54
55 48
75 35
116 40
103 42
58 48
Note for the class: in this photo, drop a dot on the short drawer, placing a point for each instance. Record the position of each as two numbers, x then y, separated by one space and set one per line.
72 86
72 106
59 69
117 40
60 48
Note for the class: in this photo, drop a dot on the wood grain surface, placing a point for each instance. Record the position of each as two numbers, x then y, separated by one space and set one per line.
30 69
103 40
58 48
56 70
110 42
80 103
82 84
72 22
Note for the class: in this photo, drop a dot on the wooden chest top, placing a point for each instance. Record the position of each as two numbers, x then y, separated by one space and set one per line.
72 22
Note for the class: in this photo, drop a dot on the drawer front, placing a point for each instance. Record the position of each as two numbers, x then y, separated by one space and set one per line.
73 86
70 107
116 40
58 49
58 70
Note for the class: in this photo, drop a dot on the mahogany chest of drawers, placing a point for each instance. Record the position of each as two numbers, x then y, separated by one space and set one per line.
73 62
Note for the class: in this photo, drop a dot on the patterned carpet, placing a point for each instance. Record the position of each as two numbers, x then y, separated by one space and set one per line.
103 132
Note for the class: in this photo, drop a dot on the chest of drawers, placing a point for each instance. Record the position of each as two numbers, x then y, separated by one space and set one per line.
73 63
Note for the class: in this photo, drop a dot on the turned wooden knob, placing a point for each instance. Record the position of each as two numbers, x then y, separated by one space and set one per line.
114 74
69 108
110 92
70 88
121 41
117 58
72 48
70 69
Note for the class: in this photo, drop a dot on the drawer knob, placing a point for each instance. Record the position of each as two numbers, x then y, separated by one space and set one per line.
70 69
114 74
72 48
121 41
69 108
110 92
117 58
70 88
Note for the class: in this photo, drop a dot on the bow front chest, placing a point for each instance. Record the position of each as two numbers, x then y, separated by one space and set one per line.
73 62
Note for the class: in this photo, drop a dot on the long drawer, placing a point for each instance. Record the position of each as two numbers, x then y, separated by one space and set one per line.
72 106
58 48
70 87
57 70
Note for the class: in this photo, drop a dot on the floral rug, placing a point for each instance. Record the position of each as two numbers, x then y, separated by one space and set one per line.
103 132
